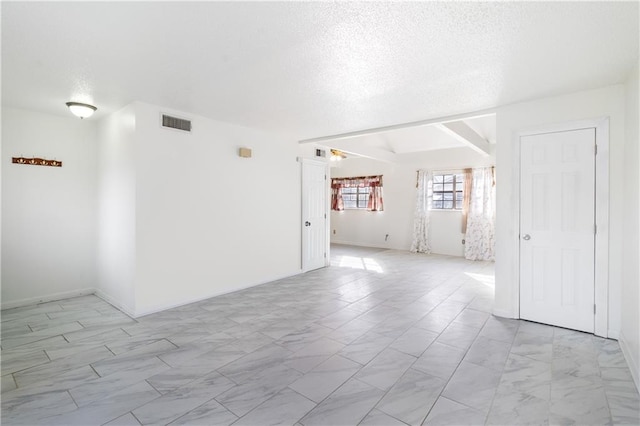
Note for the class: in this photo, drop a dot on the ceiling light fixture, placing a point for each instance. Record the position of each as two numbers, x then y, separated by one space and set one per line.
337 155
81 110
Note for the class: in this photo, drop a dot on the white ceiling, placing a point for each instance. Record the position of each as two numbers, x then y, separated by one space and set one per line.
311 69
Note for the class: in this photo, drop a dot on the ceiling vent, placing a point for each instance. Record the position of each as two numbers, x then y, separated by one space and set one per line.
176 123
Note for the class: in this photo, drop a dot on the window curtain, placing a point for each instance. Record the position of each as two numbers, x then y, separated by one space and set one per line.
480 235
374 183
375 203
336 195
421 242
466 199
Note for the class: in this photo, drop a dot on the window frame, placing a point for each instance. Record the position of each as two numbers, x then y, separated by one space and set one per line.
362 196
458 188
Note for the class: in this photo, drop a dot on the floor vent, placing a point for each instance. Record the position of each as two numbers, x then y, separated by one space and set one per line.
176 123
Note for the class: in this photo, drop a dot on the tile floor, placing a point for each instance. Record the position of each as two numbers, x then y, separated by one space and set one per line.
381 337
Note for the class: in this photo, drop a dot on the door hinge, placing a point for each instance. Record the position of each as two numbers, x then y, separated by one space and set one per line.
596 150
595 229
325 177
325 215
594 308
325 254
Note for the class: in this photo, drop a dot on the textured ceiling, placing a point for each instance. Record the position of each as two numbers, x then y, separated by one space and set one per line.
311 69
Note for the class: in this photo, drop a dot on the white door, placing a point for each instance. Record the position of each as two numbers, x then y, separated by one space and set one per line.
557 228
314 215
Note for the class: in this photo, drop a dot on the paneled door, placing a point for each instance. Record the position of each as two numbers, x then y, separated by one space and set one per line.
557 228
314 214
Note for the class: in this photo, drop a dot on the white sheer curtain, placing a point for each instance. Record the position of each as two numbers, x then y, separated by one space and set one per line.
480 236
421 242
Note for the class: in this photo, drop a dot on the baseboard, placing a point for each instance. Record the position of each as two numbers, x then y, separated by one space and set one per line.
352 243
164 307
48 298
631 361
113 302
613 334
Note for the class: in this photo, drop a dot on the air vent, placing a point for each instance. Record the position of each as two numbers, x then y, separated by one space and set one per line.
321 153
176 123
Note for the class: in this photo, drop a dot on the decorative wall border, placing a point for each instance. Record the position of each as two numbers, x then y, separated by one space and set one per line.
36 161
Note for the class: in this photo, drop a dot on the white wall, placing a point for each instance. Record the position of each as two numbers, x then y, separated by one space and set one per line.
48 213
116 235
207 221
630 320
361 227
608 101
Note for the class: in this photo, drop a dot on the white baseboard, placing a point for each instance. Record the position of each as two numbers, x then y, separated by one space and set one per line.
631 361
352 243
113 302
613 334
48 298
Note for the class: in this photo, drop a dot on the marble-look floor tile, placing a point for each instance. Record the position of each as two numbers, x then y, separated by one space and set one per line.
132 358
14 342
389 316
472 318
527 376
126 420
35 407
439 360
533 345
414 341
378 418
101 387
313 354
109 408
346 406
473 385
35 375
502 329
245 397
245 367
458 335
385 369
8 384
60 382
301 338
411 398
172 378
285 408
515 408
488 353
451 413
13 361
174 404
581 399
350 331
325 378
366 347
211 413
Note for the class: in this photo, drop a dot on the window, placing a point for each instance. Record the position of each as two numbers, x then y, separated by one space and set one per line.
355 197
357 193
447 191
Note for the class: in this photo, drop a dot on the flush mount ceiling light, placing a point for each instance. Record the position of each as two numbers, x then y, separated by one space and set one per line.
81 110
337 155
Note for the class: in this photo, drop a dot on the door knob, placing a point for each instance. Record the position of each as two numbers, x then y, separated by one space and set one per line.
307 223
526 237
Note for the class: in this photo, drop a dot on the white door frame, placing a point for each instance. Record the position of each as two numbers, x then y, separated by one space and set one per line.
601 263
327 203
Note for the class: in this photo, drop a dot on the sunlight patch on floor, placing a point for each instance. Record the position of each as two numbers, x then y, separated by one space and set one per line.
365 263
488 280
